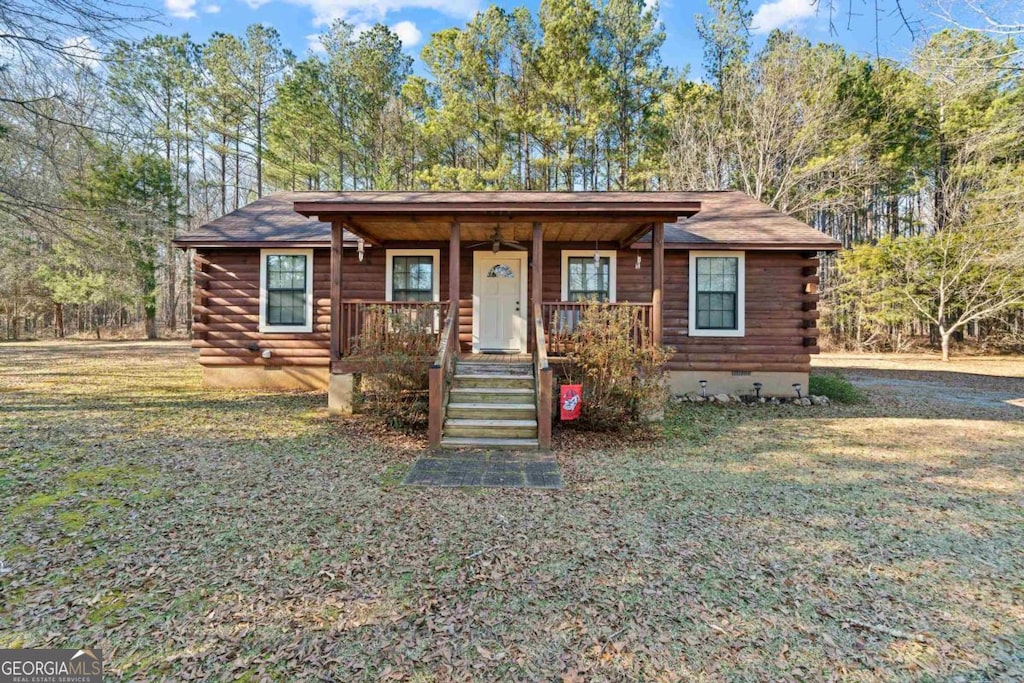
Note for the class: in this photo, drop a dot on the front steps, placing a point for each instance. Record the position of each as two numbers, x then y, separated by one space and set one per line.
491 405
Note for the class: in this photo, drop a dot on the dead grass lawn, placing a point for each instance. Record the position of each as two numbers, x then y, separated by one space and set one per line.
246 536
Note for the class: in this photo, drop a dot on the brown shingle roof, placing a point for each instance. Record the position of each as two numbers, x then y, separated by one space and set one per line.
270 219
733 219
727 219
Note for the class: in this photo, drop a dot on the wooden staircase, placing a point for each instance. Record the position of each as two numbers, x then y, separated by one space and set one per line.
492 404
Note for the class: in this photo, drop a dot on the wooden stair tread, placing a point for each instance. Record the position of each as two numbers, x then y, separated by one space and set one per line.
470 422
488 442
518 407
508 391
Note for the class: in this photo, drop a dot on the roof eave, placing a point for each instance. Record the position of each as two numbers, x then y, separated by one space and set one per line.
207 243
531 208
745 246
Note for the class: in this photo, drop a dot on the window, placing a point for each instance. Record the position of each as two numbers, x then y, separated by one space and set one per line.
584 280
286 290
717 294
412 275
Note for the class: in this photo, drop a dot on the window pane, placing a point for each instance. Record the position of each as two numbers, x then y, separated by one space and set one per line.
412 278
717 288
287 272
286 308
286 289
588 280
717 273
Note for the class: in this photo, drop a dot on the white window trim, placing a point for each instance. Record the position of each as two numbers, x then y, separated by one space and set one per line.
611 254
293 329
389 273
741 287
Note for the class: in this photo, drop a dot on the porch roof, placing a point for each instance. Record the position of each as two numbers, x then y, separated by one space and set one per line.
726 219
381 217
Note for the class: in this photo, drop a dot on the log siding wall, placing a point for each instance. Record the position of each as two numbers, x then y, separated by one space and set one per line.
226 313
781 332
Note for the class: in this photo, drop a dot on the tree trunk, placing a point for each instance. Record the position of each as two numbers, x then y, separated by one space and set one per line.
58 320
238 163
946 334
224 172
172 287
259 154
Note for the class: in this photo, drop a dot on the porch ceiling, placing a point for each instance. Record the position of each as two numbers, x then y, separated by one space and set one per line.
381 217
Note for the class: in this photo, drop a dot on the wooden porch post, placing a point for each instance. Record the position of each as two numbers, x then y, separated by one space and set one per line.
543 370
454 250
337 317
537 274
657 279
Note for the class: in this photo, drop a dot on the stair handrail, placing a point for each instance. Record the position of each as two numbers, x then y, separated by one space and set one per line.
542 377
440 375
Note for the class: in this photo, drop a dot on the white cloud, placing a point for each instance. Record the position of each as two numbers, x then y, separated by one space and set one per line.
408 33
183 9
211 9
373 11
781 14
82 50
314 44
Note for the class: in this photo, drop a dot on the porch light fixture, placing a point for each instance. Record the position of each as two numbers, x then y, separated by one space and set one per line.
703 388
361 249
638 261
757 389
796 388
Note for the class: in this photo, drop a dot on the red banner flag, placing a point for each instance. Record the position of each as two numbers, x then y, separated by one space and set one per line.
570 401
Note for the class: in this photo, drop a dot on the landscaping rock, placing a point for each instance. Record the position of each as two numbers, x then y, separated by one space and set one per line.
749 400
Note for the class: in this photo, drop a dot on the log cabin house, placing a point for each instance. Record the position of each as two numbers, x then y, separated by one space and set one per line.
283 286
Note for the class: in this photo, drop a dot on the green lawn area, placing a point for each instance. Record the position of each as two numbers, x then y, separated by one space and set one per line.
247 536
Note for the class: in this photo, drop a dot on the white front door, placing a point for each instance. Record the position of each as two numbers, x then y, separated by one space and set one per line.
499 301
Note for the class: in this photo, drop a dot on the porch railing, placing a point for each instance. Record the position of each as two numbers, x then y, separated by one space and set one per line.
542 381
561 318
441 373
359 316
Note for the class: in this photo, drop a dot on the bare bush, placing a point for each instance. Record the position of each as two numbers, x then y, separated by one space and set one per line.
623 376
396 348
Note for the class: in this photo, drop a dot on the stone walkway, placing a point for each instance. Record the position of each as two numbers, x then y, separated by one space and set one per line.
486 468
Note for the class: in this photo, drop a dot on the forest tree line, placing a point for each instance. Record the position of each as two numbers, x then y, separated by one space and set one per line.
110 149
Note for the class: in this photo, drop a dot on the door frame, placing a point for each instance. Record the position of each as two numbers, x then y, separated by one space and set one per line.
523 303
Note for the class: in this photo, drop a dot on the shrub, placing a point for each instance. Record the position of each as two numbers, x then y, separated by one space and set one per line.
623 377
395 381
836 387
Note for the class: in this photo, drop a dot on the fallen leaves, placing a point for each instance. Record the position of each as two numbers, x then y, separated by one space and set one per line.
257 539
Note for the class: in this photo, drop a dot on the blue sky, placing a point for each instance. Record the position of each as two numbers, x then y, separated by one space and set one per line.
299 21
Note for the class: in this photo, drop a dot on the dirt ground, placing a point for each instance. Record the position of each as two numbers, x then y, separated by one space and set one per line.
985 382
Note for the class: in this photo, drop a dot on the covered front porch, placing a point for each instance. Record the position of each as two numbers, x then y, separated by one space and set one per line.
493 273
